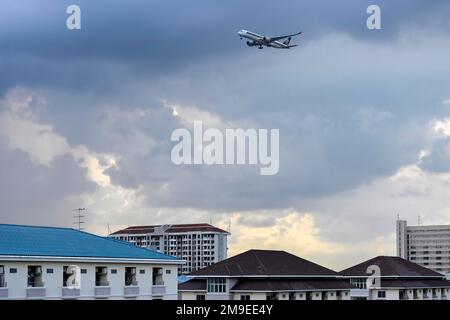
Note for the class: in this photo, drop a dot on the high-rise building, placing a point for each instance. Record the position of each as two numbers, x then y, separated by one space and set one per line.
428 246
199 245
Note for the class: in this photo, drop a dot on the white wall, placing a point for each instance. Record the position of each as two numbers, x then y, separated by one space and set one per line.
53 282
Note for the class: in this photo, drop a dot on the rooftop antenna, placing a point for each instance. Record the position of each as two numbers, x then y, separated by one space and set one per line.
418 219
229 226
107 229
78 217
210 221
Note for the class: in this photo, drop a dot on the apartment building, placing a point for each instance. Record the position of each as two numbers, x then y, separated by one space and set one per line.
399 279
265 275
427 245
198 245
61 263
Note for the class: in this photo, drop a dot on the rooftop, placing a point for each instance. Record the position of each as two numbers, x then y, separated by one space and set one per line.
20 240
391 267
265 263
172 228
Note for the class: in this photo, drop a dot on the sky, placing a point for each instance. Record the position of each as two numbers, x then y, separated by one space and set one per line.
364 117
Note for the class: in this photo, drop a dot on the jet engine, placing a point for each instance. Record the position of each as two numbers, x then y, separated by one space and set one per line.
251 43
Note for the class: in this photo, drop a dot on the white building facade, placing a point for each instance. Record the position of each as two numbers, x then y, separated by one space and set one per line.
33 265
428 246
199 245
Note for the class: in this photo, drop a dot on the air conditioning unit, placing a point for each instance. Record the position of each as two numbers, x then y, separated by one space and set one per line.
103 270
38 270
133 271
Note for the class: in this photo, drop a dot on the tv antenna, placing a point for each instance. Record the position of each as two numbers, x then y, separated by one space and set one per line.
79 217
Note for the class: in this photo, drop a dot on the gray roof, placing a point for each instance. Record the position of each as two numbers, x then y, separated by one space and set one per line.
265 263
391 267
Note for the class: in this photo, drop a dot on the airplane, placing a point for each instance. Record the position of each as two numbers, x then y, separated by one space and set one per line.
274 42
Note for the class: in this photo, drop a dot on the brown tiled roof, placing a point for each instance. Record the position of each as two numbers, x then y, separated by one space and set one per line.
265 263
391 267
291 285
193 285
173 228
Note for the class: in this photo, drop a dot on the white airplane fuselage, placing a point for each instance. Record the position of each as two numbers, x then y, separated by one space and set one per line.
260 41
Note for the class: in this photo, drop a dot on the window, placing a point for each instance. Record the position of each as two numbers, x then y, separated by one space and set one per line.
217 285
130 276
113 271
157 277
49 270
35 276
381 294
168 271
245 297
142 271
84 271
360 283
2 277
200 297
12 270
101 277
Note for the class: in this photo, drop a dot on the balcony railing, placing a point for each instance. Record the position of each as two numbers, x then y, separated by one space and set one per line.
36 292
158 290
102 292
70 293
131 291
3 290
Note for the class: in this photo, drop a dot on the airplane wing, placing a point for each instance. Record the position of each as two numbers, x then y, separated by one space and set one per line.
284 37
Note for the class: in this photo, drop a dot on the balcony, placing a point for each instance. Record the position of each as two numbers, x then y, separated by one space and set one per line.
159 290
36 290
131 291
68 293
102 289
3 290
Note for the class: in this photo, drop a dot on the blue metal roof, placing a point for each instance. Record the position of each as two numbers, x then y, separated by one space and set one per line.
19 240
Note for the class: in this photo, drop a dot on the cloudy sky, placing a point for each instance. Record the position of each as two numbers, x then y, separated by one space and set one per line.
364 118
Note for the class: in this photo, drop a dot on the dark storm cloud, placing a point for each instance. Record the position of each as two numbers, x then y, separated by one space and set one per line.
350 108
150 38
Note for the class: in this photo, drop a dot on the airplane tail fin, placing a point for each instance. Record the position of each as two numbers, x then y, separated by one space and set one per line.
287 41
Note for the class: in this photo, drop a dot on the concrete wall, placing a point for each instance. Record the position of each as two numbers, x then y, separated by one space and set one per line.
53 282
